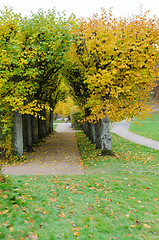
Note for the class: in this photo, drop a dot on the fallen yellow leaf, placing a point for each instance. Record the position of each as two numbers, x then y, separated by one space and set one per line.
146 226
76 233
132 226
46 212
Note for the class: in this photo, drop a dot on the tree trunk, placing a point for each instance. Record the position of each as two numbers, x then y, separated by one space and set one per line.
89 131
40 129
105 134
93 139
51 122
102 134
33 130
28 133
42 125
84 126
87 128
17 133
98 134
45 129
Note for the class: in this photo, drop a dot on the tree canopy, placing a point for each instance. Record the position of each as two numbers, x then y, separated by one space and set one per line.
31 57
109 64
118 59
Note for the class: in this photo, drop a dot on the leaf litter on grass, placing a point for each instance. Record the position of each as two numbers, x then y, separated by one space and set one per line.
128 156
121 203
96 205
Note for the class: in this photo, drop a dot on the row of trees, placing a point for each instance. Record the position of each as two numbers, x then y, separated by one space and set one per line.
112 68
31 58
108 63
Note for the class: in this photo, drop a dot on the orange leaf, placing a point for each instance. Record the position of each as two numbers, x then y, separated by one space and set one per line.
62 215
31 220
76 233
53 199
75 229
5 196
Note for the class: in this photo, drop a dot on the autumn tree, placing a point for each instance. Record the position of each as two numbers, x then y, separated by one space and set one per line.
110 67
52 38
16 74
31 57
118 58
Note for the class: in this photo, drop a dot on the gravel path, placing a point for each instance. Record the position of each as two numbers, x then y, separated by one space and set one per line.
122 129
59 155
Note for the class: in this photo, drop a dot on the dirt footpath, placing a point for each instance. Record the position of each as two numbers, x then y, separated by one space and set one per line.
59 155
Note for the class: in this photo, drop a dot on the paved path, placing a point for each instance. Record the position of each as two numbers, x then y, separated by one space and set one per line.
121 129
58 155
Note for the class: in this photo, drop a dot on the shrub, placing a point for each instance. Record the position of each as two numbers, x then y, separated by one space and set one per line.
76 119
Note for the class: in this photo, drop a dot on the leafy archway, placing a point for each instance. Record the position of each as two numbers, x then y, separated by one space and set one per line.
109 64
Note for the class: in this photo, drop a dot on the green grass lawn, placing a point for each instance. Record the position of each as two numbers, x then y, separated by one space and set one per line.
116 198
149 128
54 126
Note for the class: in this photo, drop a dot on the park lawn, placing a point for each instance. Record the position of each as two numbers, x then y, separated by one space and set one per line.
117 198
148 128
54 126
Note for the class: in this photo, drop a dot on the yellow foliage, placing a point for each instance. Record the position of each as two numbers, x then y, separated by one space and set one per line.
64 107
119 57
31 54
